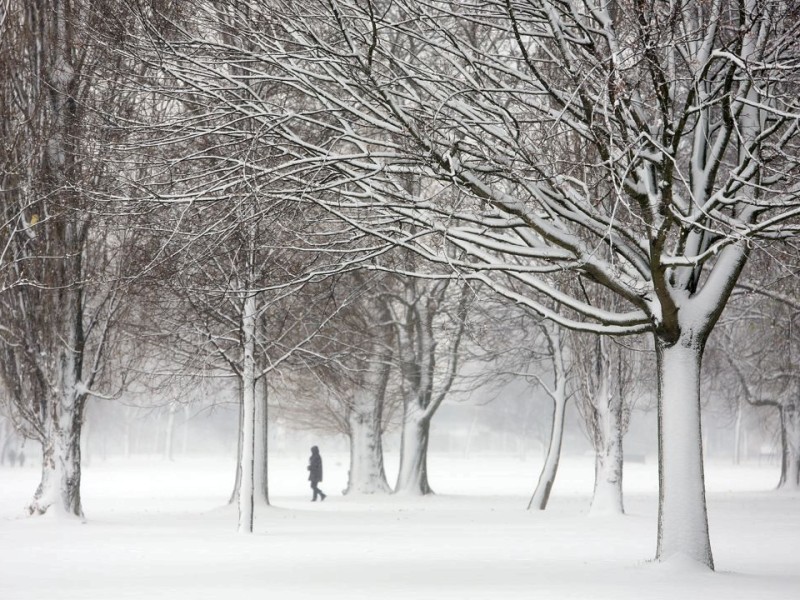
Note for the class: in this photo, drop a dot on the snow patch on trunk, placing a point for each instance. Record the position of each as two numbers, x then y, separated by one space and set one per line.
682 519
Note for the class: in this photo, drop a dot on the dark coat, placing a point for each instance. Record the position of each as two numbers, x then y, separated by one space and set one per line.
315 466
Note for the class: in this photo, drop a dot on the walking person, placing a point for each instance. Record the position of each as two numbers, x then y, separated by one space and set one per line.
315 473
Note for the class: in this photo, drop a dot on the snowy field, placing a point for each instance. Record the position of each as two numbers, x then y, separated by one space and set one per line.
160 530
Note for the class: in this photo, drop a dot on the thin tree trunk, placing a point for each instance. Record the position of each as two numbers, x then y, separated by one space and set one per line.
737 435
261 446
169 433
127 437
185 430
237 480
547 477
682 513
247 467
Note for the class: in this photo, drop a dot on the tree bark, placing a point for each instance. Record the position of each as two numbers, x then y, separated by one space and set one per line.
605 422
61 450
547 477
237 480
261 490
790 447
247 461
367 474
412 477
608 465
60 485
682 513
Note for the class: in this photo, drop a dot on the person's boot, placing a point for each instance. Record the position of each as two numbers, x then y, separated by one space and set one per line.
323 497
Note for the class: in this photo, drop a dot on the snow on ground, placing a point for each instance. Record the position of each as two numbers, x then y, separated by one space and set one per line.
160 530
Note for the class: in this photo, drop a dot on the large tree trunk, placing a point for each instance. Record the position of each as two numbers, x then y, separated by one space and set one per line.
63 408
682 514
547 477
790 446
367 474
60 485
412 477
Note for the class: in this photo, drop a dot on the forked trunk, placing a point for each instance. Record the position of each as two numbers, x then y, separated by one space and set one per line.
682 514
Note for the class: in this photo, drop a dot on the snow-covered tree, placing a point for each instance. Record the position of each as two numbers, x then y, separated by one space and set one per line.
64 258
610 376
359 377
429 325
368 384
342 384
664 135
760 344
558 390
240 305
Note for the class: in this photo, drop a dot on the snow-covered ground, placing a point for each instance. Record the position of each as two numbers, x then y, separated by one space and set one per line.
161 530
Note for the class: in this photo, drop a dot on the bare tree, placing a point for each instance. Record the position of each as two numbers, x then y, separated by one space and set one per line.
516 344
559 392
611 375
64 256
360 377
429 326
665 134
759 343
346 389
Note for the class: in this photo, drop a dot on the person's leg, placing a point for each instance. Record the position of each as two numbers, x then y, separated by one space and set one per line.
315 490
